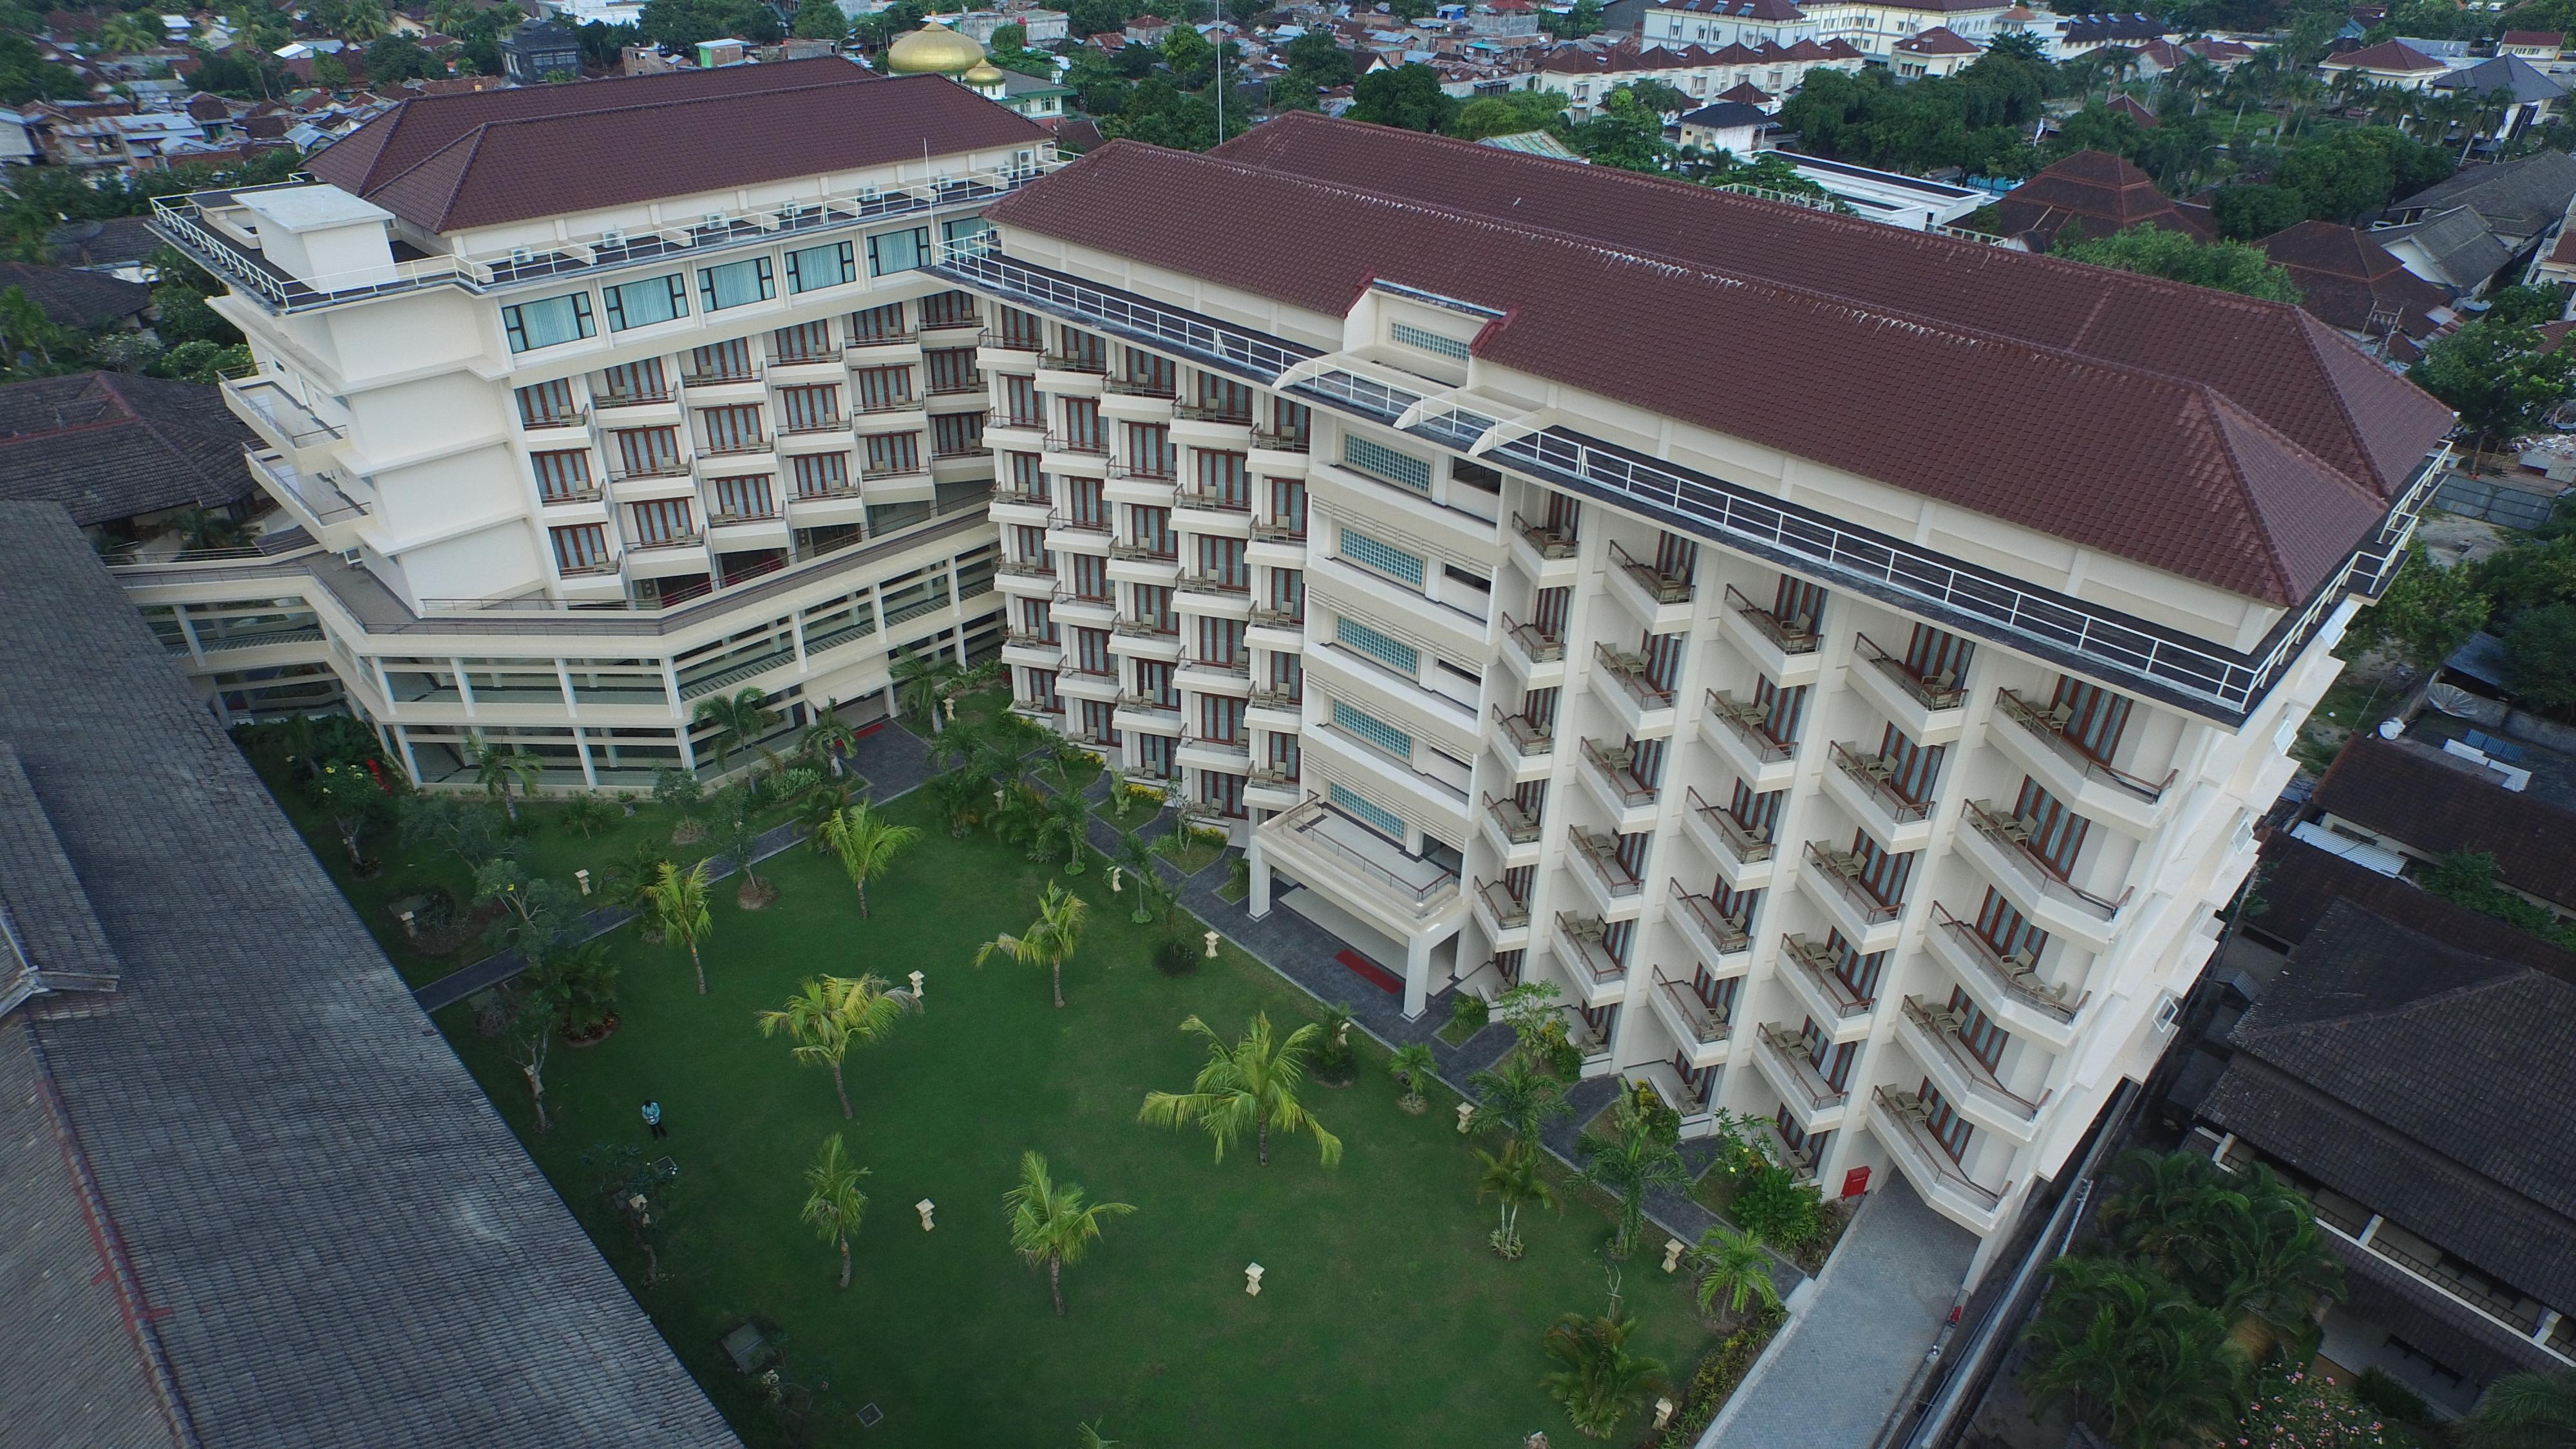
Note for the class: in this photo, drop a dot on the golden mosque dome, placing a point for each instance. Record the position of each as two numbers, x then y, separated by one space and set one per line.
985 73
934 49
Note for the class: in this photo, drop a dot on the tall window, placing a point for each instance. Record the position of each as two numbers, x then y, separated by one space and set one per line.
1784 711
1082 425
1224 399
664 520
562 477
820 475
2006 929
954 435
949 309
1938 657
1977 1031
883 389
892 453
1221 719
720 362
1948 1128
1676 557
1759 814
647 452
878 324
2056 833
1153 530
1154 681
736 284
1798 604
1090 577
1144 372
741 498
1023 406
2096 718
811 269
951 370
634 382
1085 351
1224 478
898 251
1883 873
811 342
641 304
1154 607
1288 505
1221 559
1086 505
1022 331
1220 641
1148 447
1091 651
734 429
548 321
581 547
548 404
1027 474
1288 592
1290 423
809 409
1860 973
1912 769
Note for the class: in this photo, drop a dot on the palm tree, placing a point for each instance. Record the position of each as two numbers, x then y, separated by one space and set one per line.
1601 1380
1249 1085
1087 1436
1734 1265
833 1203
1628 1166
959 793
498 767
924 682
829 738
1154 896
738 718
364 21
1068 819
866 843
1050 1226
1517 1099
1515 1181
128 33
2525 1411
1412 1065
2133 1352
827 1017
2244 1242
1050 939
676 904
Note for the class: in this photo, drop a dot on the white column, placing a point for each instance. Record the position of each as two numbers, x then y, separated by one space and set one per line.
1258 860
2370 1230
1417 974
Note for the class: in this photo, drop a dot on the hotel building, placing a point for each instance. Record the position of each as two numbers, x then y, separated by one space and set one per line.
1846 662
592 401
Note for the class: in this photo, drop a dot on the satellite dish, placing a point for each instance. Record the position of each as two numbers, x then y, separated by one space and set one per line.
2390 729
2452 700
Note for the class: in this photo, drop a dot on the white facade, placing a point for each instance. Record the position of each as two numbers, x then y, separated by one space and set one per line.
1875 26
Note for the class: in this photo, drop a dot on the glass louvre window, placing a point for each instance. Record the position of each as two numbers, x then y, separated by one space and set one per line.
811 342
954 435
809 409
719 362
737 284
898 251
1428 341
1368 812
951 369
664 520
820 475
949 309
811 269
647 452
562 477
580 548
635 382
546 404
744 497
1383 558
1369 727
878 324
884 389
547 322
1401 657
1380 461
641 304
890 453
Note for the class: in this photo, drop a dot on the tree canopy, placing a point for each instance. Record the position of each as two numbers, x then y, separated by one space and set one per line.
1408 96
2224 266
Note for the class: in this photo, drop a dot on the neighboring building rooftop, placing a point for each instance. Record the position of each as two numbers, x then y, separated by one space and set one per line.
2237 442
74 298
2531 39
2520 198
1727 116
1540 143
2389 57
116 241
2089 195
2511 74
2351 281
2301 883
254 1198
446 163
2136 110
113 445
2416 795
2458 248
1939 40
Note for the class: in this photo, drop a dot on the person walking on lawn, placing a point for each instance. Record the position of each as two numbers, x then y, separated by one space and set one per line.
653 1119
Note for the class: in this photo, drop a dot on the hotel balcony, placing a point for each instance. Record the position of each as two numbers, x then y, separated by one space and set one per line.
2036 738
1090 613
1198 426
1720 940
1277 543
1157 639
331 516
1225 757
1788 650
1814 975
1537 654
1735 728
1869 923
1022 578
1598 977
1929 711
1699 1029
1033 650
1801 1161
565 420
1278 630
1207 511
1661 602
1217 595
1318 844
2000 842
1897 1120
1143 563
1817 1103
1612 776
1061 374
283 422
1215 676
2008 987
635 409
1864 784
1278 455
663 558
826 508
1514 831
1546 554
1272 708
1619 680
1074 681
1967 1084
1020 506
1068 533
1744 858
741 532
1014 435
1530 748
1615 890
1272 787
1153 714
1688 1101
1506 921
1064 453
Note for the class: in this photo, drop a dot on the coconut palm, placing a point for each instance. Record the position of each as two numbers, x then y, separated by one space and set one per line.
1413 1066
2245 1243
1514 1181
1051 1227
499 767
1248 1086
833 1203
676 905
1067 822
126 34
1049 941
1733 1265
866 843
924 682
2525 1411
827 1017
1634 1162
829 738
2134 1355
960 795
739 719
365 21
1517 1099
1601 1380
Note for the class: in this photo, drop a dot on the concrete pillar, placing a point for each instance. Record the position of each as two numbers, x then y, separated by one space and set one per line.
2370 1230
1258 900
1417 975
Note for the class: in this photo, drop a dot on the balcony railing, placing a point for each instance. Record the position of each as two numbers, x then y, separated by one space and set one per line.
747 515
1541 646
1509 911
1160 626
537 422
1549 540
1275 776
2013 834
748 372
801 427
1789 1049
673 540
1154 702
1263 617
1070 443
1794 636
1277 442
1818 962
1876 775
1269 529
1274 697
1203 413
1018 568
1708 1025
956 386
659 468
1942 691
1747 847
631 399
1126 552
1076 523
2050 726
1139 387
1727 931
1941 1025
1661 587
1630 671
1601 852
1211 499
1416 881
1583 942
805 356
1519 826
2016 974
1074 362
874 407
1238 667
575 493
1752 724
1148 471
1030 638
1023 497
1843 870
1907 1113
1526 737
1617 766
1215 583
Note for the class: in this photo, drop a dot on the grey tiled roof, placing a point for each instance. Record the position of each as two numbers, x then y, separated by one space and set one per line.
113 445
75 298
2520 198
49 941
331 1236
2459 243
2425 1082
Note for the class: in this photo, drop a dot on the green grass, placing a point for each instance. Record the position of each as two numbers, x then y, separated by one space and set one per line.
1383 1319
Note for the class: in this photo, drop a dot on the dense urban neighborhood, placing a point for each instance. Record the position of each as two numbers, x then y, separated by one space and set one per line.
1694 723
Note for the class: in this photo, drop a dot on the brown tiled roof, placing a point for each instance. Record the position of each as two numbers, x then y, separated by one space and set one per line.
2113 440
2387 55
2348 279
2551 38
2092 194
2129 106
1747 93
2411 792
1619 59
1939 40
450 162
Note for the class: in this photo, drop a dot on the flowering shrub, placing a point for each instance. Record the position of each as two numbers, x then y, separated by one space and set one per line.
2298 1410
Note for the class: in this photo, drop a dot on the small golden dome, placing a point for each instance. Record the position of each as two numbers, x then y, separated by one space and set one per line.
934 49
985 73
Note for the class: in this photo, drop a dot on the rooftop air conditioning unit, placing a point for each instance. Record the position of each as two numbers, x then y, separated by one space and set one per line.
521 256
613 237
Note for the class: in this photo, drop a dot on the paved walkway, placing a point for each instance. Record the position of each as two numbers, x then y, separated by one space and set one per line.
1835 1374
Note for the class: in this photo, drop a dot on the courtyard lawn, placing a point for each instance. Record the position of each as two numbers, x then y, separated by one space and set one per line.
1383 1317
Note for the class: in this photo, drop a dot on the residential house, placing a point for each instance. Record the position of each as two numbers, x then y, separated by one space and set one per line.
1586 75
1042 101
2138 112
2348 280
1874 26
535 51
1729 126
82 300
2076 35
1937 52
2389 63
120 451
2421 800
2092 194
2511 208
2454 249
118 246
2538 46
2532 97
1725 22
